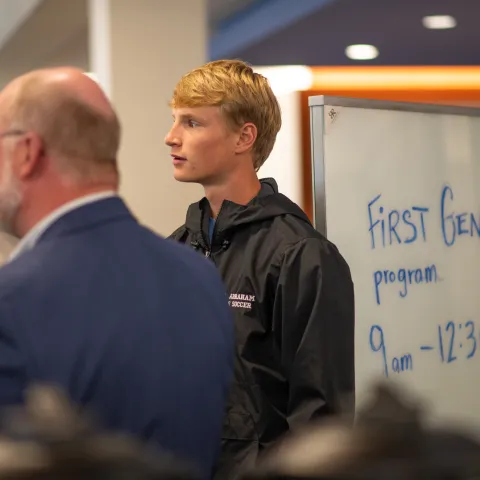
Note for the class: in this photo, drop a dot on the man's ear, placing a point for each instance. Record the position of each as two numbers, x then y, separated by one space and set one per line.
27 155
246 138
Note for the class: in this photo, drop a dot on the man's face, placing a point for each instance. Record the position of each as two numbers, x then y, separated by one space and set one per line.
203 147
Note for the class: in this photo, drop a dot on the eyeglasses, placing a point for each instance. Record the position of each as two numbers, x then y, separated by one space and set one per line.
12 133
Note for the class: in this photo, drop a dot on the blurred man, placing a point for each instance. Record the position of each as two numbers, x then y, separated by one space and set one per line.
290 289
133 325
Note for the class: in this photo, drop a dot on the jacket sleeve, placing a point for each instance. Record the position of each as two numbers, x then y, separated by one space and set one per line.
314 326
179 235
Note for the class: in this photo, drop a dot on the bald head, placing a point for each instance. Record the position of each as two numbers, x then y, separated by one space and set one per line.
71 114
67 80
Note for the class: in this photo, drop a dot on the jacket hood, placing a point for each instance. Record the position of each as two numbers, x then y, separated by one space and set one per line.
267 204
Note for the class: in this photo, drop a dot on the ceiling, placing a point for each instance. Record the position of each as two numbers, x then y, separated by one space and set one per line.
393 26
220 10
311 32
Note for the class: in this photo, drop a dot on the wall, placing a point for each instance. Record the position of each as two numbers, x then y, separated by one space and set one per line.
55 33
73 53
285 162
139 54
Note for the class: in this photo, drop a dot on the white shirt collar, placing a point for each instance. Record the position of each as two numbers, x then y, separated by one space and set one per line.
32 237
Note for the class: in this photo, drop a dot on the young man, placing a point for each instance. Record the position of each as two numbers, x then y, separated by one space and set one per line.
290 289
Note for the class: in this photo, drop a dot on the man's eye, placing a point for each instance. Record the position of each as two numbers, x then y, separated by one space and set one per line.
192 124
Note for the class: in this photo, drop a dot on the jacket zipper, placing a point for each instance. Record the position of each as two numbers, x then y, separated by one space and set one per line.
208 251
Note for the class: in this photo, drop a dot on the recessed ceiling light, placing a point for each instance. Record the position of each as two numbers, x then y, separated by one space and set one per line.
361 52
439 22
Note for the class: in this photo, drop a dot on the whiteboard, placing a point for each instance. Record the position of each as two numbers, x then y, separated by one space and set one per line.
397 189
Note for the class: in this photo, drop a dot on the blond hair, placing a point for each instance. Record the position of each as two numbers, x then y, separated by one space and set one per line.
83 140
243 95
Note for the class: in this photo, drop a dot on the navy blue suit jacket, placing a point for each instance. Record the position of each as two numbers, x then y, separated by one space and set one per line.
134 326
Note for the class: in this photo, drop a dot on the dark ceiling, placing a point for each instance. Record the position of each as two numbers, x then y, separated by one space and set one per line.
393 26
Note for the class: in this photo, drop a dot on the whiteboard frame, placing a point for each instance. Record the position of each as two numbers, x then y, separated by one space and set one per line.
317 106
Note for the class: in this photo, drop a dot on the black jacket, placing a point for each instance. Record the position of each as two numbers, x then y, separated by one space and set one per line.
292 296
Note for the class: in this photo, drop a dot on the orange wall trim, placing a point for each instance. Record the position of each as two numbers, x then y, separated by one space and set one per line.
397 78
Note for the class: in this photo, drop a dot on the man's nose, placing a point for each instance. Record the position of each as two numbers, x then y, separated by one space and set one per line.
172 139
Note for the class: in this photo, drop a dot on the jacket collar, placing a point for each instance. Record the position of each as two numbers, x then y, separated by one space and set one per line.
198 213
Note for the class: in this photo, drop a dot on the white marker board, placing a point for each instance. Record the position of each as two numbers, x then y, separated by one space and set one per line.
397 189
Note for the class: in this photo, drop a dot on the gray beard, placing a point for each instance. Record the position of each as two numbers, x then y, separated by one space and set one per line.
10 200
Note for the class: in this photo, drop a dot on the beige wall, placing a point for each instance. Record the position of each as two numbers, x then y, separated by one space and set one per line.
139 50
74 52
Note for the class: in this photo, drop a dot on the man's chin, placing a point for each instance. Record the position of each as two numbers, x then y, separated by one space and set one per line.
185 178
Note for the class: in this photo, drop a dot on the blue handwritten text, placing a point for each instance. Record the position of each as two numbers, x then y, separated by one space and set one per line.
395 226
403 278
456 224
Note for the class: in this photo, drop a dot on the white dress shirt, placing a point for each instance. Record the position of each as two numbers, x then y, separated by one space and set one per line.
31 238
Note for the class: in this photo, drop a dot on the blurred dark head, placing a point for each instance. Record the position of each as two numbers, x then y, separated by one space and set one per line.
50 439
388 442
